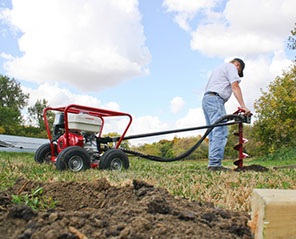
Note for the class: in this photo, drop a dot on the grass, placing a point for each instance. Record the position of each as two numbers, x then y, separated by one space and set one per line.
35 200
190 179
279 158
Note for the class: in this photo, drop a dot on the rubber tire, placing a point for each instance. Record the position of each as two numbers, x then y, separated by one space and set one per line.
64 157
107 160
43 152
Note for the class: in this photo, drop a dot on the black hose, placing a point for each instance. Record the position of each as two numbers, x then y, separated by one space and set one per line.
192 149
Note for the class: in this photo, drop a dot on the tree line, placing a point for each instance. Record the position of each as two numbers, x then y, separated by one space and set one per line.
12 101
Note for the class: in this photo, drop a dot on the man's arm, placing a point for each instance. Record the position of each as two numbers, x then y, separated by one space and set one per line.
238 95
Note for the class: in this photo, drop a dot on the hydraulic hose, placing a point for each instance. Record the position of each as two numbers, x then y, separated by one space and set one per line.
225 118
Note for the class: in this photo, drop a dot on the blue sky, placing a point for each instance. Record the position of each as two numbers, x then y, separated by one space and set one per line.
145 57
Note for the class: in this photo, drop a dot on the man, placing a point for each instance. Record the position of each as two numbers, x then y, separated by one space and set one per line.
223 81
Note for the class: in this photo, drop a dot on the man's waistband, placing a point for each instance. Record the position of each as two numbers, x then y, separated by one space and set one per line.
212 93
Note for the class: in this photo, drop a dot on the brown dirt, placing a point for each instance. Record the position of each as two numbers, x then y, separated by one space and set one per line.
253 167
100 210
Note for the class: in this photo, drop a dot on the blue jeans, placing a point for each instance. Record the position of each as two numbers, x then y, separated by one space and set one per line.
213 107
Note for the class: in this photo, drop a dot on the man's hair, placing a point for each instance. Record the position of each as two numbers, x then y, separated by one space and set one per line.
241 63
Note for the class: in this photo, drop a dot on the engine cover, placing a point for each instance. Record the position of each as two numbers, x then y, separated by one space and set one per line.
74 140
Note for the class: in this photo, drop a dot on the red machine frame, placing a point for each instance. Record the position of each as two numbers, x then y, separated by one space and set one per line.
76 109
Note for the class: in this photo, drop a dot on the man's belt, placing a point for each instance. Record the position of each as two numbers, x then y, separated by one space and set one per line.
212 93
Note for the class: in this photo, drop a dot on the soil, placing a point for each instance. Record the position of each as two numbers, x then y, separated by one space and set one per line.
100 210
253 167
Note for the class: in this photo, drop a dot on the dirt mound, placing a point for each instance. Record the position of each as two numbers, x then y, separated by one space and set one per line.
100 210
253 167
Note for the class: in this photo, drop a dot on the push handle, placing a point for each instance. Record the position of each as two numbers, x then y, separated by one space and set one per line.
242 111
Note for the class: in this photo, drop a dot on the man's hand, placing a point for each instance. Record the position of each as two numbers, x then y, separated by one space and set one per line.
246 111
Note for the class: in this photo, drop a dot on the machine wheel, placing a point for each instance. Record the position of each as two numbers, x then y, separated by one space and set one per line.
43 153
114 159
74 158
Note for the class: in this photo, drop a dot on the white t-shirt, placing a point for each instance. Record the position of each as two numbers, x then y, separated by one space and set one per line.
221 79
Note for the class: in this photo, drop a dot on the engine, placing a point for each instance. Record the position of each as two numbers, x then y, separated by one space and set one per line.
82 130
75 139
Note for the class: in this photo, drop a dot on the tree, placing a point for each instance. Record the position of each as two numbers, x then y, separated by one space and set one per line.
36 114
292 39
12 100
275 127
149 149
176 147
276 110
181 145
165 147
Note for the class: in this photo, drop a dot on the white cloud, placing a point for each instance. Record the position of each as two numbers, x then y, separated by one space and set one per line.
6 56
187 6
140 125
177 104
147 124
87 43
245 28
194 118
219 40
272 18
58 97
279 63
186 10
239 33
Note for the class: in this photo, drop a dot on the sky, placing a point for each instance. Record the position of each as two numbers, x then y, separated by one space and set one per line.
148 58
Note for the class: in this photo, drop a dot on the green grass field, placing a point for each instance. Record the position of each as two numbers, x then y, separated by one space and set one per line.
190 179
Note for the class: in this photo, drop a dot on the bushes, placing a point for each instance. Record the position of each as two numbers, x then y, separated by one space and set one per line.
275 127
